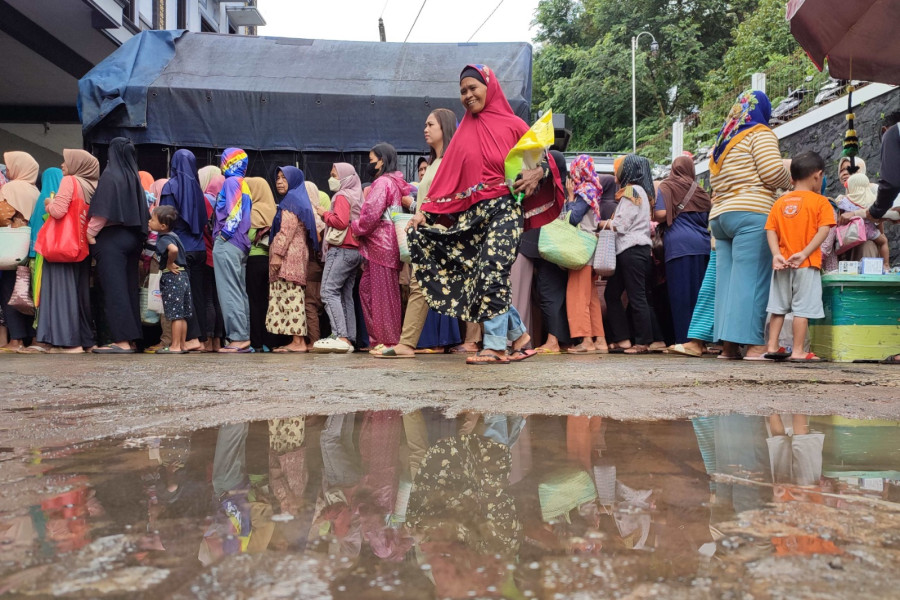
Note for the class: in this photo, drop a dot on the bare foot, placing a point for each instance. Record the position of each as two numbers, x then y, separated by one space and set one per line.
601 345
695 346
756 351
657 346
466 347
522 341
637 349
194 344
623 345
404 350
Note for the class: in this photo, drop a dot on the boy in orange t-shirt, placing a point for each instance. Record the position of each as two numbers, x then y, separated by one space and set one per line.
797 225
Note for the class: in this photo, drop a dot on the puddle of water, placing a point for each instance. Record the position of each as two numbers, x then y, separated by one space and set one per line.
383 505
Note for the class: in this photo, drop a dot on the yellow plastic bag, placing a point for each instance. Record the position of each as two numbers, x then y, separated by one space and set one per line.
526 154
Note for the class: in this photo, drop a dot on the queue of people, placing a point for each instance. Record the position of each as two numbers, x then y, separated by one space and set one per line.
243 267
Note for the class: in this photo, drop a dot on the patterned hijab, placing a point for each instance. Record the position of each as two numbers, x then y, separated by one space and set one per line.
634 171
587 185
751 112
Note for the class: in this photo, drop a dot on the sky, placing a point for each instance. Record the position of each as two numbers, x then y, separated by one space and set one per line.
440 20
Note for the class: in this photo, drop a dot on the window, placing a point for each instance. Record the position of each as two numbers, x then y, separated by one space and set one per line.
181 12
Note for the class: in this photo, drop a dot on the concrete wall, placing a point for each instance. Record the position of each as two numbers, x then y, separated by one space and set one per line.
45 158
826 138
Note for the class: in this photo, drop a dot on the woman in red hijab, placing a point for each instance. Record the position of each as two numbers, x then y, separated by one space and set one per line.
464 253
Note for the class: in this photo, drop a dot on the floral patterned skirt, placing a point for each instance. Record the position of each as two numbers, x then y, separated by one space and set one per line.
287 308
464 269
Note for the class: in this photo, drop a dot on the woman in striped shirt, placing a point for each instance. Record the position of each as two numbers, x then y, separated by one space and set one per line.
746 171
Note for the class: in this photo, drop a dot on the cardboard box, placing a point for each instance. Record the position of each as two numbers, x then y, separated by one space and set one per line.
848 267
871 266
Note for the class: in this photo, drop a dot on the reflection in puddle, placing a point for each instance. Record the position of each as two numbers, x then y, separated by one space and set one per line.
380 504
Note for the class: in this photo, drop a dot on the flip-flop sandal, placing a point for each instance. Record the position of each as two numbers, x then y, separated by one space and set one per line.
809 358
520 355
728 357
391 353
487 359
781 354
680 349
32 350
166 350
112 349
762 358
11 350
547 351
233 350
618 350
429 351
890 360
283 350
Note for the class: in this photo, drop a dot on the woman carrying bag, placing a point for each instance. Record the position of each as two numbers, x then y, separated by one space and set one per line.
17 201
631 222
582 299
682 207
65 321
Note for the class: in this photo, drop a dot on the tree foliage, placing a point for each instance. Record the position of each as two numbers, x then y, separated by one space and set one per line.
583 62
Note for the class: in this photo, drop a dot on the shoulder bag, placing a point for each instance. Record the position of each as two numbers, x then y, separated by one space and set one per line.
657 242
65 240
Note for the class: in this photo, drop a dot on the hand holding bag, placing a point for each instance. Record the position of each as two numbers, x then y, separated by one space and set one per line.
65 240
401 222
566 245
605 255
21 295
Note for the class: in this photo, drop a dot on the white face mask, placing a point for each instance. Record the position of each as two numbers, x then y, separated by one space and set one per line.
334 184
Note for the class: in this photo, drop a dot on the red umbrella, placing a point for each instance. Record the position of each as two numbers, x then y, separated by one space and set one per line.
858 37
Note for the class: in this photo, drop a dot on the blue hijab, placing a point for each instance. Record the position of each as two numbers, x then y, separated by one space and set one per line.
750 112
50 182
183 186
296 201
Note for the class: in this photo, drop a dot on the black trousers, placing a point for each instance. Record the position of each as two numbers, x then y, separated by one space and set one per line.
214 322
196 325
258 296
551 284
19 325
116 253
632 268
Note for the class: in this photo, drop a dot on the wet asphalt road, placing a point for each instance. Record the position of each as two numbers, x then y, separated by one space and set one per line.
57 399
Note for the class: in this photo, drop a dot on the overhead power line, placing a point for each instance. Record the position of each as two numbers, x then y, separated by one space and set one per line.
383 8
485 21
414 21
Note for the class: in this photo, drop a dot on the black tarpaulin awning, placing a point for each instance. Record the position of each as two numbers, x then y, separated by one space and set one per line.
263 93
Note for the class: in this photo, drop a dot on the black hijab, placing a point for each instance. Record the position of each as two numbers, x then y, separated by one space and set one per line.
608 197
120 196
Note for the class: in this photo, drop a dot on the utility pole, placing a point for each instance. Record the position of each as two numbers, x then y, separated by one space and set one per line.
381 29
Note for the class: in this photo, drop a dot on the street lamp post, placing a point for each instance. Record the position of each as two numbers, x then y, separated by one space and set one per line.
654 48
